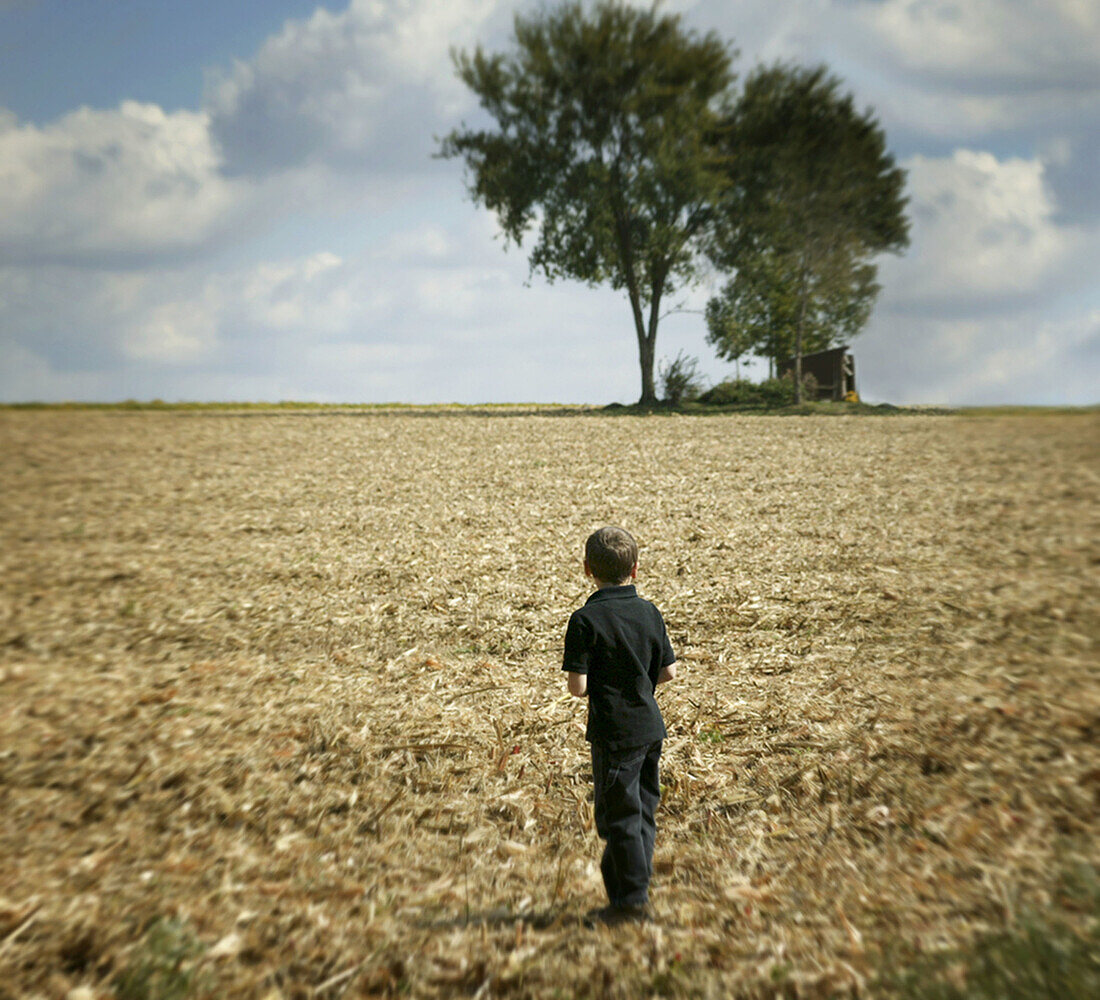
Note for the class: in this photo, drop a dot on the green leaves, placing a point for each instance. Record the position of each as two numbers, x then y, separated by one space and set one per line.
604 117
814 196
618 141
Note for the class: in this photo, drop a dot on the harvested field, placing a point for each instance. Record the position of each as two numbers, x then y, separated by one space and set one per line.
281 713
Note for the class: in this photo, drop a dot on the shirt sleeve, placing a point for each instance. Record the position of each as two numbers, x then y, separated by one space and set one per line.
668 657
578 645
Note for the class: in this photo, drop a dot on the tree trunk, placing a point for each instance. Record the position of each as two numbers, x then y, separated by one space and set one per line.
798 365
648 352
646 346
645 343
645 358
647 339
798 341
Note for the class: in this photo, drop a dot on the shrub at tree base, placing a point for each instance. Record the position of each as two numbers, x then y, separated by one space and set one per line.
680 380
736 392
771 392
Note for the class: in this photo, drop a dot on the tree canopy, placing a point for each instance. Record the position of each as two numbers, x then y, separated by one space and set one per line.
605 142
814 196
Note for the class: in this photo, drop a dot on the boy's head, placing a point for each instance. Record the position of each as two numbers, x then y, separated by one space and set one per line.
611 555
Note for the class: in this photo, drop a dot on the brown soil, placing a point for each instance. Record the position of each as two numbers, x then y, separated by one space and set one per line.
290 683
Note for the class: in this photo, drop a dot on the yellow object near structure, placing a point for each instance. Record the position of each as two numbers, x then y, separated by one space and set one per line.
851 396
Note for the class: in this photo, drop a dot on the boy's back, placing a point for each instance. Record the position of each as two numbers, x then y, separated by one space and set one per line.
619 641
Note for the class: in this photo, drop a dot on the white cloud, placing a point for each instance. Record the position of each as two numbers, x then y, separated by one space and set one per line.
107 219
357 92
172 333
428 242
1017 75
25 374
1045 43
1025 357
298 295
363 88
121 184
965 316
984 231
458 325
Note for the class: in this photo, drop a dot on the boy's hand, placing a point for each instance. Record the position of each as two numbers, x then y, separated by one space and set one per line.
667 673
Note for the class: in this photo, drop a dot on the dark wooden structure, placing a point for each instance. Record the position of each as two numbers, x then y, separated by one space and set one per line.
834 370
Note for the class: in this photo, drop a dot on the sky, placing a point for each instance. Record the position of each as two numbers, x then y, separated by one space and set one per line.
225 200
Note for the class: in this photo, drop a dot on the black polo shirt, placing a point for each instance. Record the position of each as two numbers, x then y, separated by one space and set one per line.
619 640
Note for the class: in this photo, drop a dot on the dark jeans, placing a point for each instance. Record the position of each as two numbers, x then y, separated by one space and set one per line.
627 790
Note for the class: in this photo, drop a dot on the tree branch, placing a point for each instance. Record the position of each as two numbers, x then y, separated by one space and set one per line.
672 312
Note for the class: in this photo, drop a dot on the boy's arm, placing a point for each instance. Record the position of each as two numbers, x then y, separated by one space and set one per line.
578 643
668 657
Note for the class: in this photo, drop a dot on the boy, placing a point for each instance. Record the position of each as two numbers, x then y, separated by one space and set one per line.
616 652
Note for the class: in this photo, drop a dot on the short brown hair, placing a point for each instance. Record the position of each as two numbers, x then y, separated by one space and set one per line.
611 553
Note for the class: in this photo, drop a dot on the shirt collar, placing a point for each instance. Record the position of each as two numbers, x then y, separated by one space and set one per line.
610 593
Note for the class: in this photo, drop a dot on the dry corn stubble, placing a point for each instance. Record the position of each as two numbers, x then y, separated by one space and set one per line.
290 683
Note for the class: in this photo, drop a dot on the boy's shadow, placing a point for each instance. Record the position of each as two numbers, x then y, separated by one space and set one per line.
497 917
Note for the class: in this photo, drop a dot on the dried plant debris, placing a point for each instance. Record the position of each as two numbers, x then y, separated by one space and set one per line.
281 714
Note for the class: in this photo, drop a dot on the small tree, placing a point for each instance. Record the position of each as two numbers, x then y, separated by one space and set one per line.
680 379
815 195
759 311
604 140
751 314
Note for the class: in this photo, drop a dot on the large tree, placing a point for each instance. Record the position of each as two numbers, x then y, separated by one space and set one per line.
815 195
604 139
